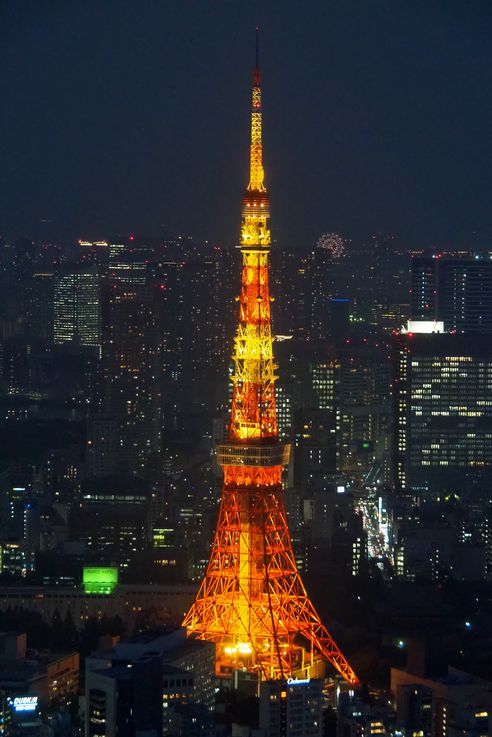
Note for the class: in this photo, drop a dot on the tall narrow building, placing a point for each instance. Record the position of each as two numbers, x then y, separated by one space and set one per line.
424 288
252 602
77 313
131 397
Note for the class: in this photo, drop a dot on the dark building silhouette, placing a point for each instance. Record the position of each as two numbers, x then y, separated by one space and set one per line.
457 291
465 295
126 699
131 389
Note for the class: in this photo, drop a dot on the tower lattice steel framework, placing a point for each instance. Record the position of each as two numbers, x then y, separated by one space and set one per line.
252 602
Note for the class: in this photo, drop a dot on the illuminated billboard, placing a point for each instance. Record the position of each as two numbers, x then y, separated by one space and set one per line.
21 704
97 580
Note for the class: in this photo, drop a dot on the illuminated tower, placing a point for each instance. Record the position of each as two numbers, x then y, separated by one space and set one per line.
252 602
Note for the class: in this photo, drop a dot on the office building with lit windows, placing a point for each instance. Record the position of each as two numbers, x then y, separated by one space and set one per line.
128 262
283 399
465 294
291 708
325 377
455 290
77 308
442 394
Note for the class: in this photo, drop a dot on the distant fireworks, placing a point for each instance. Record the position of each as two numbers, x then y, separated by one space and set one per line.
332 242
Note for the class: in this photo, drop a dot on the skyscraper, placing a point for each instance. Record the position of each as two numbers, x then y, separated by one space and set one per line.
131 395
77 305
443 412
424 288
455 290
465 294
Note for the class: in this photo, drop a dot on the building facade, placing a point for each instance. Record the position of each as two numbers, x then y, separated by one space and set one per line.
77 308
442 399
291 708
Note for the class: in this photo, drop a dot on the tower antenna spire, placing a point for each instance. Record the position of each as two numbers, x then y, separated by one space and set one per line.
256 173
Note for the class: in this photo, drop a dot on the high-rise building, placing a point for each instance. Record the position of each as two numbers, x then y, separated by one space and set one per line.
364 407
442 408
132 686
291 708
194 332
290 279
424 288
380 271
325 378
77 308
315 451
283 400
455 290
128 262
414 708
124 698
337 537
321 292
113 519
131 389
93 252
38 306
465 294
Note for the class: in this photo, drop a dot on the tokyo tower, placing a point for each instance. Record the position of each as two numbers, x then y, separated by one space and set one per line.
252 602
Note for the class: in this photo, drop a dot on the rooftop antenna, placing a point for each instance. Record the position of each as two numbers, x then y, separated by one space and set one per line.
256 70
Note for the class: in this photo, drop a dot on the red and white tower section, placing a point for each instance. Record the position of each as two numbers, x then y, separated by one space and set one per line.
252 602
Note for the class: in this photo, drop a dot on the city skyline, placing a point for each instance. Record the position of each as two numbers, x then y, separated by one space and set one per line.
387 124
245 490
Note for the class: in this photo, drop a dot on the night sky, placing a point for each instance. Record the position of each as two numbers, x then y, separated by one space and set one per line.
121 116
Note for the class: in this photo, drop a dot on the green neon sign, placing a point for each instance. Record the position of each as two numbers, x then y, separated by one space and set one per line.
98 580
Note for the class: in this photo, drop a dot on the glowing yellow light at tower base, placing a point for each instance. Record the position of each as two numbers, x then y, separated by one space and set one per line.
241 648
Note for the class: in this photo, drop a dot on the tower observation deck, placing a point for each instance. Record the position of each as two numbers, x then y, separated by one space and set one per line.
252 602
